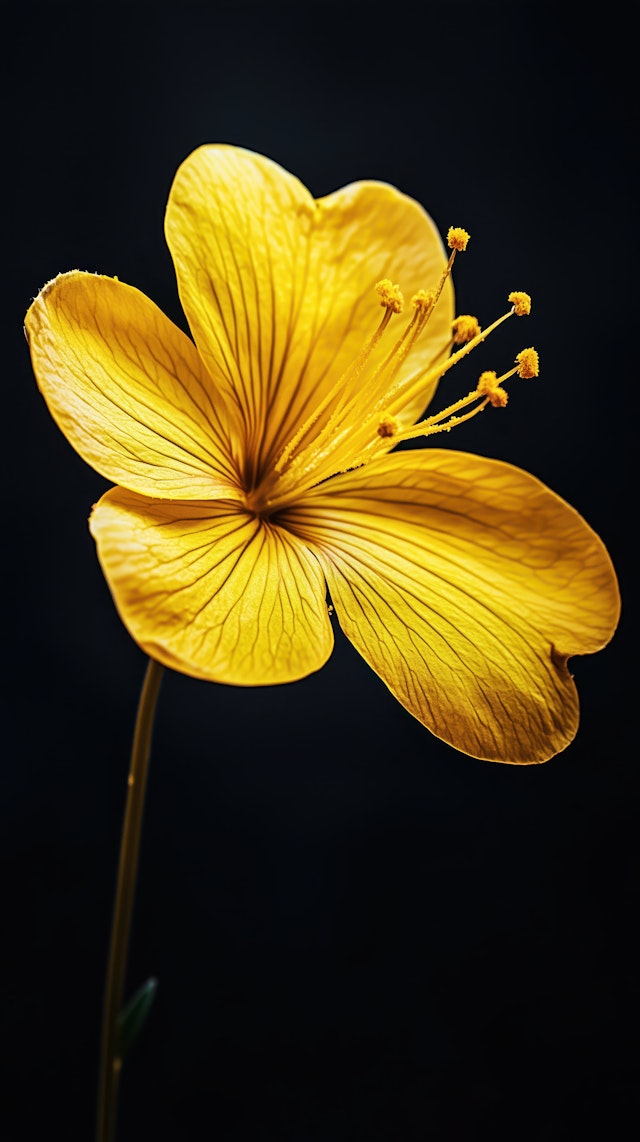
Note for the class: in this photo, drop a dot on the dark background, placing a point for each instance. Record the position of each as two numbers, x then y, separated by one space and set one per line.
360 935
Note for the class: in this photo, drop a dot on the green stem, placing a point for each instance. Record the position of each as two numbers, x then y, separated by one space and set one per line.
110 1062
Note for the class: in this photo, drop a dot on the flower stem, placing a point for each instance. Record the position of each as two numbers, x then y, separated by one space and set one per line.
110 1062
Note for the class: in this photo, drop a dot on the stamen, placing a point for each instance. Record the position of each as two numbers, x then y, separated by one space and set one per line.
388 369
388 427
432 424
439 371
528 363
446 420
393 301
521 303
465 328
378 411
489 386
457 238
527 366
356 420
422 309
424 302
390 295
424 299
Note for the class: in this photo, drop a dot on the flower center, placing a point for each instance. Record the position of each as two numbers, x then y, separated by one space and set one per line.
362 411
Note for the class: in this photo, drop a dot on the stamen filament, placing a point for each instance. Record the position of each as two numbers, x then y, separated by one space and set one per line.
440 370
400 351
488 391
348 399
346 405
437 372
432 424
332 436
358 419
454 421
349 375
441 284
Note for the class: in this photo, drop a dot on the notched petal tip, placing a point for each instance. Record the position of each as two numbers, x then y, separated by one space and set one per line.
467 585
560 661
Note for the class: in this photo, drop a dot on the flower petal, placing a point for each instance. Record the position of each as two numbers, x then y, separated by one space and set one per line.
128 389
279 289
209 590
466 584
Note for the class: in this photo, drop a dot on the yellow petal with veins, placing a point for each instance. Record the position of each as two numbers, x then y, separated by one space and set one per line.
209 590
466 584
129 390
279 289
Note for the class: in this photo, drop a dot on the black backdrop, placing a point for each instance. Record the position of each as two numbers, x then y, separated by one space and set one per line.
360 935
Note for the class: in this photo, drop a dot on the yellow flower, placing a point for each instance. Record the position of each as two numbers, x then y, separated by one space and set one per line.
255 467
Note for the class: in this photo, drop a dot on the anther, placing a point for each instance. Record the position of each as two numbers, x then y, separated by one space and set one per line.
489 387
465 328
423 299
521 303
390 295
361 402
528 363
388 427
457 238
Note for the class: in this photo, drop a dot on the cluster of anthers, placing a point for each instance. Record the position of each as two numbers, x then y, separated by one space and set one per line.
467 332
357 417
